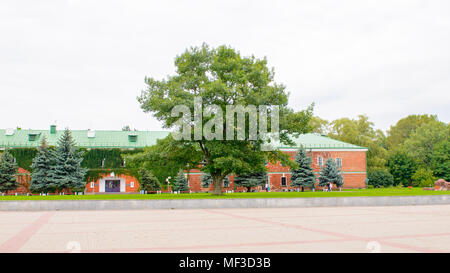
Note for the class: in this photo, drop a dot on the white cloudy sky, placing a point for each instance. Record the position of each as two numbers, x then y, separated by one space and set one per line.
82 63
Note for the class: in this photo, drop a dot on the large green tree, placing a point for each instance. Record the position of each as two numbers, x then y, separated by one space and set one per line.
303 176
422 143
440 160
403 129
402 167
222 77
41 166
8 171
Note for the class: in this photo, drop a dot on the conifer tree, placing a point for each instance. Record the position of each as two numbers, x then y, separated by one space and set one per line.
180 183
206 180
330 174
66 172
303 176
42 163
250 180
148 181
8 170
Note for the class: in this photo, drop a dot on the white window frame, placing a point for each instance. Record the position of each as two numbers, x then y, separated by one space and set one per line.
320 161
92 185
339 161
132 184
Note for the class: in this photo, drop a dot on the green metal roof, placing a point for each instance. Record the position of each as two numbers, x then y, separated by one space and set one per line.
101 139
315 141
120 139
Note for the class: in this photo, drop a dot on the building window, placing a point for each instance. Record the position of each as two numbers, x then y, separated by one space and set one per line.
124 163
132 184
132 138
92 185
226 182
320 161
103 162
339 162
32 137
283 181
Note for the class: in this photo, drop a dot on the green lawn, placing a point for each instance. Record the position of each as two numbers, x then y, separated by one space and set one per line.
346 193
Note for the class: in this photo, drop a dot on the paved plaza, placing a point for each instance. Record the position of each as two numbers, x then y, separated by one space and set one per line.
331 229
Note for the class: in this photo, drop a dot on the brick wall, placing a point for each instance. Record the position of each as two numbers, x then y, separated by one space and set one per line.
128 179
353 169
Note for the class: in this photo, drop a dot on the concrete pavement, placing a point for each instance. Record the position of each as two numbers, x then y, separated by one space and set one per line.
330 229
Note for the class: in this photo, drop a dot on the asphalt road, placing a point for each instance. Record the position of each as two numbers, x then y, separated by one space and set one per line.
349 229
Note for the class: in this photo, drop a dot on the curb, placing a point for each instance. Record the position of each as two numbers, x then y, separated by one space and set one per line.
52 205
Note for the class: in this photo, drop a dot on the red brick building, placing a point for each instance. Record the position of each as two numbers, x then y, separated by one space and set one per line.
350 158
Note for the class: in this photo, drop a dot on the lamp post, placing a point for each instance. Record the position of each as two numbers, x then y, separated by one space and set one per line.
168 183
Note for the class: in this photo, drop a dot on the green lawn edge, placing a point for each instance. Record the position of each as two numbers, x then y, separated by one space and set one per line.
308 194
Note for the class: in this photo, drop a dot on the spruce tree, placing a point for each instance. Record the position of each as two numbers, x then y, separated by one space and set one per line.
206 180
303 176
41 166
66 172
8 171
148 181
180 183
330 174
250 180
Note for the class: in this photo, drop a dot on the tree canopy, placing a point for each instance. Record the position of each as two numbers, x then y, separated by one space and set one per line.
222 77
303 176
8 170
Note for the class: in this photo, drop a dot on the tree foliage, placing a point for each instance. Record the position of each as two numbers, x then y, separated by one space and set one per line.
8 171
380 178
166 158
403 129
423 142
440 160
41 166
330 174
148 182
66 171
251 180
206 181
319 126
361 132
423 178
180 183
402 167
221 77
303 176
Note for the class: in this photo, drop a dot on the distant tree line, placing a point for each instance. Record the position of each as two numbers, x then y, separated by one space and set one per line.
413 152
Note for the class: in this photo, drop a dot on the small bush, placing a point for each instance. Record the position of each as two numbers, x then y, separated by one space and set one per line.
423 178
380 178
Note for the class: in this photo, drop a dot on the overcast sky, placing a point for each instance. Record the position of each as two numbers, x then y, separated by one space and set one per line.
82 63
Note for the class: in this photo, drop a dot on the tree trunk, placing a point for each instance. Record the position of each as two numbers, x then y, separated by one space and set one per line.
217 185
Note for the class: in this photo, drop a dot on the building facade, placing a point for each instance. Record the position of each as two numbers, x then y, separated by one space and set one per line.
107 175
